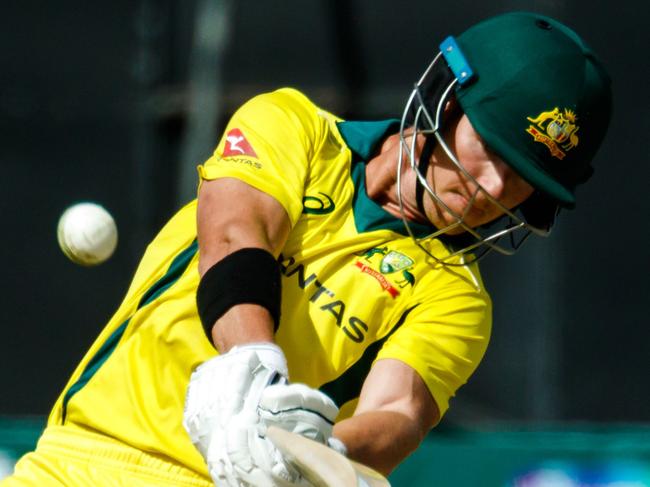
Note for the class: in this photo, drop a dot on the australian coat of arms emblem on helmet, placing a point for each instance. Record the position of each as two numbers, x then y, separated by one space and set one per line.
556 129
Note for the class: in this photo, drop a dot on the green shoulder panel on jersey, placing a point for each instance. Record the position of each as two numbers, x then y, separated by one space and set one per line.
348 385
174 272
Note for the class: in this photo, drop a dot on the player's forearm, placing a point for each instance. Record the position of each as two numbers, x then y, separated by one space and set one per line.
379 439
242 323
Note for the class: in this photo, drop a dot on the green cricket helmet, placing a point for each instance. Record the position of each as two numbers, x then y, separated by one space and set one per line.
538 97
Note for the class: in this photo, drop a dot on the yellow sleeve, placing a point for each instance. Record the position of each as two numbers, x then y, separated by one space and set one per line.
269 143
444 341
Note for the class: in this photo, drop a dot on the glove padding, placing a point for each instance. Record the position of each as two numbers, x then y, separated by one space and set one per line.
221 415
300 409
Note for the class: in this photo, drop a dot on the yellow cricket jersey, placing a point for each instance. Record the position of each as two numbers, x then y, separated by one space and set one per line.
355 287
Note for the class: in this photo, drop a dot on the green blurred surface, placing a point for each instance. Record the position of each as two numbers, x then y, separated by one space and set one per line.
493 456
485 457
19 435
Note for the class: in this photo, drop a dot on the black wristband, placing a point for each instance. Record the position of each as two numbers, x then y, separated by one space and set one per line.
250 275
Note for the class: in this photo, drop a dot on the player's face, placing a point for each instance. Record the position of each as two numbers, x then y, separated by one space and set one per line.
464 196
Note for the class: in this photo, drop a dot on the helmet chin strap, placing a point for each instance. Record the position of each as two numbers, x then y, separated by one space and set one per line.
423 166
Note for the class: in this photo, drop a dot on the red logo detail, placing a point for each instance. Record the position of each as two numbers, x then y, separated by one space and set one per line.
237 145
385 284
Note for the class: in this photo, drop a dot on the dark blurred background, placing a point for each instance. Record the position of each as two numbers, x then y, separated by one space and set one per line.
118 104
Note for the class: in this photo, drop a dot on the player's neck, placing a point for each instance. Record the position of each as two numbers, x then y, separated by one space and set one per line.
381 181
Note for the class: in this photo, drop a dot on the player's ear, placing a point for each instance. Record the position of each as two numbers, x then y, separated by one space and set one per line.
451 106
452 112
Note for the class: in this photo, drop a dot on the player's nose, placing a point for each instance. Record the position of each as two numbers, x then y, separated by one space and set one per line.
493 180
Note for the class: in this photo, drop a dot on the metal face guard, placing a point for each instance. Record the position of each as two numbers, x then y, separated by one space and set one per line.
504 235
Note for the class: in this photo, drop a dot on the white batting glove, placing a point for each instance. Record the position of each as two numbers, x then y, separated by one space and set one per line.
294 407
300 409
221 414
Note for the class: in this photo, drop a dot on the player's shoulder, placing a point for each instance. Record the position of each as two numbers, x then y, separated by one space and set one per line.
290 104
447 287
290 96
289 99
457 274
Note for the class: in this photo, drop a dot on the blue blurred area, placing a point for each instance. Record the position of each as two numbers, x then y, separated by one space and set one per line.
573 455
619 473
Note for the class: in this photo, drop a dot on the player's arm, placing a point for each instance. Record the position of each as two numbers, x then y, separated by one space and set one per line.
226 393
232 216
246 207
394 414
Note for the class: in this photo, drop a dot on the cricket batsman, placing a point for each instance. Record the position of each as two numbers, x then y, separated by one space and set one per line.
326 278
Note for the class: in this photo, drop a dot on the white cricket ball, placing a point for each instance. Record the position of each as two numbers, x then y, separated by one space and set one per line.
87 234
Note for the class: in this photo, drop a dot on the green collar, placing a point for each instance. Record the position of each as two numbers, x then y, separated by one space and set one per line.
363 139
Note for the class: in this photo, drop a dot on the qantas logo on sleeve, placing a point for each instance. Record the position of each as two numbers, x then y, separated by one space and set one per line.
237 145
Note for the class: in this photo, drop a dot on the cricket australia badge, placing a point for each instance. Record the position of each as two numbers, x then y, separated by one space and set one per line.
392 262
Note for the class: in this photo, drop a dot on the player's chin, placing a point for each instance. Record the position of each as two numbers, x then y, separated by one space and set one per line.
452 225
453 230
459 219
449 224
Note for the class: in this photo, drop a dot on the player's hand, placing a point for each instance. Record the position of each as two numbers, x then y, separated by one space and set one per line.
221 412
294 407
299 409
